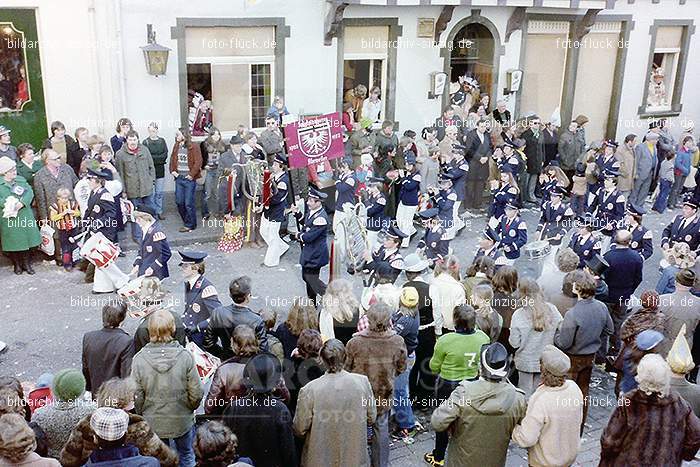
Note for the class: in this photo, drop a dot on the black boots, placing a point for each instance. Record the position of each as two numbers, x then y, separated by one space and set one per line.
16 263
27 264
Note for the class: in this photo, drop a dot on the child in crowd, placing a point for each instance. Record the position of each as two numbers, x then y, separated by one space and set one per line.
274 345
578 190
65 213
665 182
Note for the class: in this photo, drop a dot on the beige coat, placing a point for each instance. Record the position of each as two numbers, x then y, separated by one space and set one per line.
625 156
333 412
550 429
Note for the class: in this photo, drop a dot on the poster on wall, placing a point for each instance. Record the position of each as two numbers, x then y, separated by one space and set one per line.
14 84
314 140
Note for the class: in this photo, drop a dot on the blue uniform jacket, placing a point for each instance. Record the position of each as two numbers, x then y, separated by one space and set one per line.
689 234
457 171
585 249
445 202
502 196
409 187
101 214
200 300
376 219
513 235
154 252
345 191
274 212
554 221
393 258
608 208
642 241
314 247
434 243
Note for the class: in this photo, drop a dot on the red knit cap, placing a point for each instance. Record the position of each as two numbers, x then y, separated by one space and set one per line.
650 299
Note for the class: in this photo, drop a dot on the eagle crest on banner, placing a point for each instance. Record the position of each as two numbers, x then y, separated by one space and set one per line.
315 138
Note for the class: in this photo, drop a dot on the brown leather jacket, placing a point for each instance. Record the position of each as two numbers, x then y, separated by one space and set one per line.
227 385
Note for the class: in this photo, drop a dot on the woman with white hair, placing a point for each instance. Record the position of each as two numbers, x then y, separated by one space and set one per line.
339 311
667 432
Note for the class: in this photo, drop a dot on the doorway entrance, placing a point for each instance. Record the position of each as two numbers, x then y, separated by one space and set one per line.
474 54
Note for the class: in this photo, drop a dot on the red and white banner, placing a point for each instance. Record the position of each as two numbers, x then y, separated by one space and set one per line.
314 140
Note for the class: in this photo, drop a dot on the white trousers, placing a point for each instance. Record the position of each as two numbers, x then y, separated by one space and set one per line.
109 279
276 247
372 236
404 220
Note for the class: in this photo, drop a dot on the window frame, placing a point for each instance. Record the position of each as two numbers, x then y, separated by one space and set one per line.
240 60
676 106
372 57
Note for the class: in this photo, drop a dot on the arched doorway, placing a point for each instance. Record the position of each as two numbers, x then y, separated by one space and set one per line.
474 49
472 54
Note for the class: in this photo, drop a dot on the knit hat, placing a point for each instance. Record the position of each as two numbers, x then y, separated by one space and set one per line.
679 357
109 424
6 164
555 361
685 277
409 297
68 385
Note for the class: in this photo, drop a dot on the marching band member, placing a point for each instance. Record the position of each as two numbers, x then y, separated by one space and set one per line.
488 246
555 219
642 238
201 297
444 200
101 216
504 191
456 171
273 213
434 244
375 204
551 178
154 250
409 189
512 231
388 254
607 161
314 247
608 205
344 192
510 158
684 228
584 243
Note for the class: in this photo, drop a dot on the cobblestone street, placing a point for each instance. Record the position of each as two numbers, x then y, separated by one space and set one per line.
44 319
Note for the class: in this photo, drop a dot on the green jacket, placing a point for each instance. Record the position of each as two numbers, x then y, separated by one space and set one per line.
483 414
18 233
137 171
168 388
358 141
28 172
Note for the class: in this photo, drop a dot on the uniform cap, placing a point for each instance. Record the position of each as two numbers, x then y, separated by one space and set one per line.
104 174
192 257
314 193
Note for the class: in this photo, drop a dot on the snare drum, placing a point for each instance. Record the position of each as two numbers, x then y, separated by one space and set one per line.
538 249
99 250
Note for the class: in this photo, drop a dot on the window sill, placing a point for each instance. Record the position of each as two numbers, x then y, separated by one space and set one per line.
674 111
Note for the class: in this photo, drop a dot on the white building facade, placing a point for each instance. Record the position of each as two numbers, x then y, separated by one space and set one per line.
592 57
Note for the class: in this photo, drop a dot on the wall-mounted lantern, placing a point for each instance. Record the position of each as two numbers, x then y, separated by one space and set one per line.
155 54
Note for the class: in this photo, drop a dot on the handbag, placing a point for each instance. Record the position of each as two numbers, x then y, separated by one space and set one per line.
47 245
